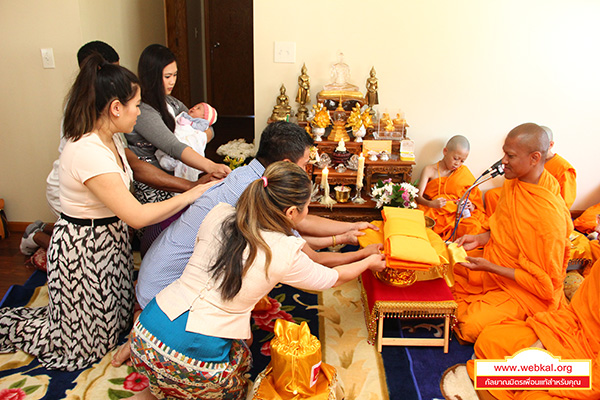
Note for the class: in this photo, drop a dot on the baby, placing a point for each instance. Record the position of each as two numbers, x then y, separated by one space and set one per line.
192 129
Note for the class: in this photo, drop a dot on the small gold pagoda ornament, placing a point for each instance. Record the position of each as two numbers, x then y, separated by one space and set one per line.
339 125
303 96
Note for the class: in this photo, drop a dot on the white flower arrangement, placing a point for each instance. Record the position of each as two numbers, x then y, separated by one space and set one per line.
237 148
401 195
236 151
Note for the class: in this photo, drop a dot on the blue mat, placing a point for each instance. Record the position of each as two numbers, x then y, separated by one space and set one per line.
424 366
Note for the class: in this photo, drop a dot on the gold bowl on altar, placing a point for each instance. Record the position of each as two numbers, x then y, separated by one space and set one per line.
397 277
342 193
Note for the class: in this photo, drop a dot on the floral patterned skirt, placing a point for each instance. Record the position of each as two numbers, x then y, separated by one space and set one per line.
175 375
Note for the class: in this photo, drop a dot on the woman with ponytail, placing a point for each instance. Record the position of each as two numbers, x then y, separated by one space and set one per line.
90 267
157 70
241 253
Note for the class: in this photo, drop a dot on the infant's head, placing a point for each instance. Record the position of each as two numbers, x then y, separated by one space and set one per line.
204 111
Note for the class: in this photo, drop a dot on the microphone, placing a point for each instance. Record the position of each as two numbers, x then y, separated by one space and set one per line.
496 169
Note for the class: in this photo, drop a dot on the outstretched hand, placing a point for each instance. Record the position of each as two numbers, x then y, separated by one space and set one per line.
438 203
477 264
362 225
376 262
469 242
374 248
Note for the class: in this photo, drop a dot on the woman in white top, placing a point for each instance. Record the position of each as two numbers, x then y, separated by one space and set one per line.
189 341
90 285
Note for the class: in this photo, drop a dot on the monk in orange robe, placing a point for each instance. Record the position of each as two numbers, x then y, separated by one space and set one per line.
588 220
557 166
571 333
442 184
526 250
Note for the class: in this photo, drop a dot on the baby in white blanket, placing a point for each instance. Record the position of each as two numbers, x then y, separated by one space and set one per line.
191 129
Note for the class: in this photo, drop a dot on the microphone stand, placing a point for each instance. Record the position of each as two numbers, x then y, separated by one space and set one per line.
462 202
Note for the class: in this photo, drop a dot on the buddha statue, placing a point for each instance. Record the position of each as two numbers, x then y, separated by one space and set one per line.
282 110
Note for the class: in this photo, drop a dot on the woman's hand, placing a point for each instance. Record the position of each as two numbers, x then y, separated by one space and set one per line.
362 225
376 262
219 170
199 190
371 249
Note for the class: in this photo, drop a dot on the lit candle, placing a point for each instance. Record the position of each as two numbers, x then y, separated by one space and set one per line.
324 175
361 171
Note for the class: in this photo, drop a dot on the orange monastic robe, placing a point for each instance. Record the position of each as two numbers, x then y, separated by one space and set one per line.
587 221
528 232
560 169
565 175
452 188
571 333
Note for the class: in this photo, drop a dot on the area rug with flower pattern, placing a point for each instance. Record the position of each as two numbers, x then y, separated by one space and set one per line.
335 316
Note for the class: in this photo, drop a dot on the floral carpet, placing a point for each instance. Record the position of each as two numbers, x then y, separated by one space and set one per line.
335 316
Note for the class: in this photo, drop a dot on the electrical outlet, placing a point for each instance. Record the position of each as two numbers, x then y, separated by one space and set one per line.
48 58
285 52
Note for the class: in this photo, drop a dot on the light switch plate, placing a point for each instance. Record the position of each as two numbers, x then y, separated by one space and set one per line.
48 58
284 52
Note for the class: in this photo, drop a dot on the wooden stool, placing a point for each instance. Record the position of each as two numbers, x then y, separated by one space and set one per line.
423 299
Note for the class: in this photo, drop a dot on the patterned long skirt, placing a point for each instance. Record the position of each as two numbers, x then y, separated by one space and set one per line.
175 375
91 299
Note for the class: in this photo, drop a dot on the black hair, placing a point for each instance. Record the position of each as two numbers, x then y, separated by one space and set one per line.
282 140
153 61
104 49
96 86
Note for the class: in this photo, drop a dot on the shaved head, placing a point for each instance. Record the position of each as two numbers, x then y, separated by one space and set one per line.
531 137
548 132
458 142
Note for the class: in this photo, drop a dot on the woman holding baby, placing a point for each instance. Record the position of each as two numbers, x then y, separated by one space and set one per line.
155 127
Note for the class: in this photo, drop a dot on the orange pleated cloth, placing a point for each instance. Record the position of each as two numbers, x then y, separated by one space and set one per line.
296 370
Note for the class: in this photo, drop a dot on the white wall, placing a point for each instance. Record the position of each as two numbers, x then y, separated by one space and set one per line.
473 67
478 68
32 97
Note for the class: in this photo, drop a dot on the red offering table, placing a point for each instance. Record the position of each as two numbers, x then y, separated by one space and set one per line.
423 299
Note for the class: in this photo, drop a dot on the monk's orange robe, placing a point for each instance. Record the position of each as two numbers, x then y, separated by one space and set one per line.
587 221
571 333
560 169
452 188
529 232
491 198
565 175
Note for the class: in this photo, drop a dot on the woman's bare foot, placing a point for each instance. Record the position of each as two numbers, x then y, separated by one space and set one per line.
122 355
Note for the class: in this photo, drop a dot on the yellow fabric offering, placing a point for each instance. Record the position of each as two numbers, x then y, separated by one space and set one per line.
457 254
406 239
296 370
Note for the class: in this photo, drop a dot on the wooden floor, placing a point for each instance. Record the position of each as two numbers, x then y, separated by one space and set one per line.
13 270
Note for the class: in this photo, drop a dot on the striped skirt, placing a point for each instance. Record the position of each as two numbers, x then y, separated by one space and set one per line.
91 299
174 375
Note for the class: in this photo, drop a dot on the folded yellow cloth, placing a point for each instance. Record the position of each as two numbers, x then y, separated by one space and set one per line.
457 254
405 237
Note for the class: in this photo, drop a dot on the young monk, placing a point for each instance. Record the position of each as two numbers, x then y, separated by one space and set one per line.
557 166
524 256
571 333
442 184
